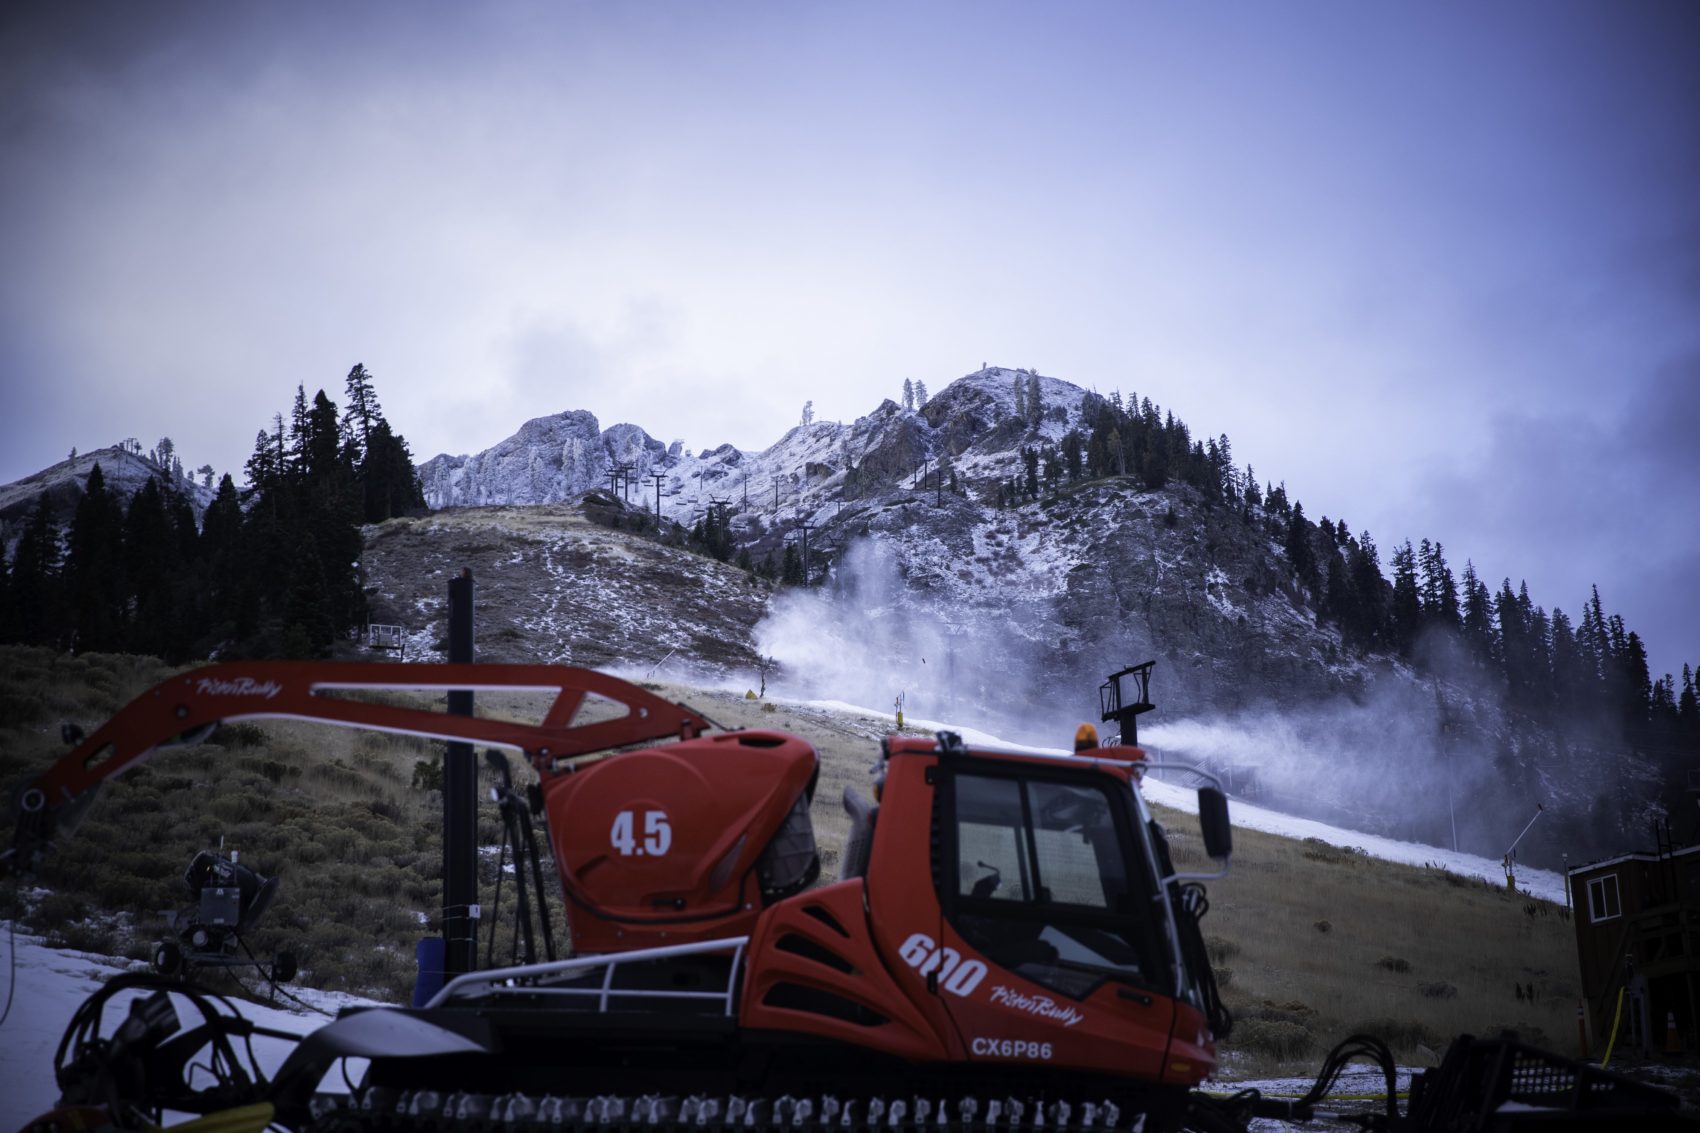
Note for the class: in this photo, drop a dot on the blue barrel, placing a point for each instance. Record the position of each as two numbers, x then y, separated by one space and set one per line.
429 954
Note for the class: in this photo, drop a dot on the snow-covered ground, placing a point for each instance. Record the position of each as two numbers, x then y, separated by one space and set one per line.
48 985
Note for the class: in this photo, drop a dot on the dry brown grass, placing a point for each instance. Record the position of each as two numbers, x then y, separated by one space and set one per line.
1414 955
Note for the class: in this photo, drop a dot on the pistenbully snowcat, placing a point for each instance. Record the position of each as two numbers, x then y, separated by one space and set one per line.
1008 945
1006 940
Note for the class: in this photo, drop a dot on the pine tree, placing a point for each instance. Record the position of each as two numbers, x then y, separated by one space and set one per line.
808 413
1339 597
95 568
295 458
1300 553
1154 468
920 394
261 469
363 412
1035 403
1477 616
322 455
389 483
1664 697
1540 657
221 546
36 587
1638 684
1513 641
151 556
309 622
1020 397
1406 613
1439 590
1073 450
1591 640
908 394
1369 592
1030 465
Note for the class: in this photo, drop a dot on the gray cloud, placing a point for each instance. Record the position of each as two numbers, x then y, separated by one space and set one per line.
1380 283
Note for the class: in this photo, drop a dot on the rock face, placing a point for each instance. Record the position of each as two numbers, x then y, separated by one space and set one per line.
552 586
1099 575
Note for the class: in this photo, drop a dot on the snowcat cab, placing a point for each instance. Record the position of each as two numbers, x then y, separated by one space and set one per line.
1032 915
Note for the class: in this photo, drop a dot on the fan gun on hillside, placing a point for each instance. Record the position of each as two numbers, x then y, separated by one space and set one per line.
1510 859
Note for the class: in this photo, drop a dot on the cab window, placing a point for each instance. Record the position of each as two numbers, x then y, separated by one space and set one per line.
1041 884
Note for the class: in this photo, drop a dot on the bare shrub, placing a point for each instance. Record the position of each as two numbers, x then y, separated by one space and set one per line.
1401 1034
1394 964
84 936
1273 1038
1221 949
241 734
60 909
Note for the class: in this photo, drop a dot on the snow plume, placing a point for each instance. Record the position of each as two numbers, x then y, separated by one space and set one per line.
868 637
1377 764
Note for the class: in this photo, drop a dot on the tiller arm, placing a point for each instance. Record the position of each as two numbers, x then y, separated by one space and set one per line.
184 709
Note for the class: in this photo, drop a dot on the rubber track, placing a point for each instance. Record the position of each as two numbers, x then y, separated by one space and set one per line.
430 1111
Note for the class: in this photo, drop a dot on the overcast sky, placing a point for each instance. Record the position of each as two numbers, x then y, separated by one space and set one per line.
1436 266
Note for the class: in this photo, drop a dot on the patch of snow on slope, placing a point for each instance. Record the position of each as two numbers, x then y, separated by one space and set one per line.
1216 593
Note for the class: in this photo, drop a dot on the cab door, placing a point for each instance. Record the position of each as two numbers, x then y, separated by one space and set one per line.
1051 912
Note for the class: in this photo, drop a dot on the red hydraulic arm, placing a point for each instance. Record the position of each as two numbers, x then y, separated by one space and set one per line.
186 707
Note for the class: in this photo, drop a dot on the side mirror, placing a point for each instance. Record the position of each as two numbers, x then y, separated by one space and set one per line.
1213 822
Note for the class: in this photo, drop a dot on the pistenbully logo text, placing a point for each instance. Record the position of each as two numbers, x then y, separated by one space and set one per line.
241 686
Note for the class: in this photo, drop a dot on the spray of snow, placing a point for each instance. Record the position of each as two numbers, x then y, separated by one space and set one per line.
1374 763
869 639
1377 765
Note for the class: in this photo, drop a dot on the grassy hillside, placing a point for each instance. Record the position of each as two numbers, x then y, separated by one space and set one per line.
1312 942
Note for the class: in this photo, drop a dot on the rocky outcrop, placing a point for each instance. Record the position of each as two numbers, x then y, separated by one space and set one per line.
550 460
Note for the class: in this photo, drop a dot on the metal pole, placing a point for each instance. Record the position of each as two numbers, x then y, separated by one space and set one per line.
460 804
804 527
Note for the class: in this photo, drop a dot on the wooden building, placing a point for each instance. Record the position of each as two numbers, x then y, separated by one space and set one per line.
1637 922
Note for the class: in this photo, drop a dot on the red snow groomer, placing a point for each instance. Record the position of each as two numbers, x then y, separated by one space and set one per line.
1008 945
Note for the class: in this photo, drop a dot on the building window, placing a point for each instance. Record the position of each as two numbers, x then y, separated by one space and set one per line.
1603 903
